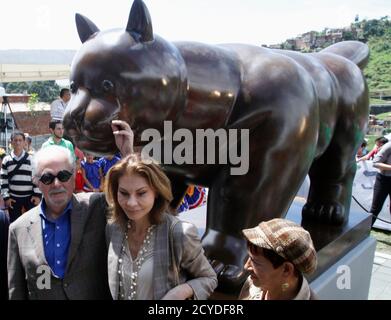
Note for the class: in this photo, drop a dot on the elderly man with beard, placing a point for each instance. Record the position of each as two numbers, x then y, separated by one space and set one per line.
57 250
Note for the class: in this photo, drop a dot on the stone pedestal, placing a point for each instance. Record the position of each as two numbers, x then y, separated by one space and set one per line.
350 277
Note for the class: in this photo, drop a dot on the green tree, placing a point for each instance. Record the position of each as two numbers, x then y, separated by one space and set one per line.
33 102
348 35
16 87
47 91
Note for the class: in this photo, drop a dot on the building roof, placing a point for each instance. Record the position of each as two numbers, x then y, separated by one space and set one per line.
35 65
51 57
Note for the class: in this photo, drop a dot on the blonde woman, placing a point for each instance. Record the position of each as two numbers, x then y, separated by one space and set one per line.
152 254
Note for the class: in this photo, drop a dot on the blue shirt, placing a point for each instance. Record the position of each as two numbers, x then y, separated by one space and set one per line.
106 164
92 173
56 239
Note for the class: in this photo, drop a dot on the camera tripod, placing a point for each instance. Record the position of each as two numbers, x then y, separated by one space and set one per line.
7 122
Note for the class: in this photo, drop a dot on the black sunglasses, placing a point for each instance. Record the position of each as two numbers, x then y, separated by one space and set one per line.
48 178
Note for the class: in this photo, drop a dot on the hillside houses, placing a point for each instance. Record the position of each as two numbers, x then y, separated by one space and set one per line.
313 40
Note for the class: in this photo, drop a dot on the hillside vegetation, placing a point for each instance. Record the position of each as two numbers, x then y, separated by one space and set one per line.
376 33
378 36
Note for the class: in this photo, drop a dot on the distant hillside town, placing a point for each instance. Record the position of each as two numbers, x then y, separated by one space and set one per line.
314 40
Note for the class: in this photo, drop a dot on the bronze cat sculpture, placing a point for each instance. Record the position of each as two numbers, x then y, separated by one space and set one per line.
306 113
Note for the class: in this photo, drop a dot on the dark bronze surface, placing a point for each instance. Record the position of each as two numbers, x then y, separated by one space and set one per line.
305 112
333 242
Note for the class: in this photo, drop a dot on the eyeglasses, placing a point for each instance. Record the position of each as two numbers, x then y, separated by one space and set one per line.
48 178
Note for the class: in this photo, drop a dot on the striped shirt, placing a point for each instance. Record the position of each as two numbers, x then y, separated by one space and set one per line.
17 184
57 109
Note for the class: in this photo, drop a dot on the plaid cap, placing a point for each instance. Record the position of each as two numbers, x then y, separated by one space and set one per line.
287 239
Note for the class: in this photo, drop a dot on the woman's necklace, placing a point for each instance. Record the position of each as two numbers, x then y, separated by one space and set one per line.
137 263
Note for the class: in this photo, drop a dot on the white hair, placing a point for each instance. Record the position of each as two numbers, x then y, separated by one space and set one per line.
53 152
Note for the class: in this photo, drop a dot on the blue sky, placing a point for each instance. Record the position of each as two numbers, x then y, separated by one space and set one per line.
49 24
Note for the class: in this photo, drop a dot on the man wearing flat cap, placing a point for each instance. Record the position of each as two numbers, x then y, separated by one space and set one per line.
280 253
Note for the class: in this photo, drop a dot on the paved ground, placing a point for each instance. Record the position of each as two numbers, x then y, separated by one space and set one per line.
380 288
383 240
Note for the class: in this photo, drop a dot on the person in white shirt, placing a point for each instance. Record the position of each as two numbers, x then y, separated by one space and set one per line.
57 108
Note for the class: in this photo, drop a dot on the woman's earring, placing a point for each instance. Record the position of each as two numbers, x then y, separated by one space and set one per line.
285 286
